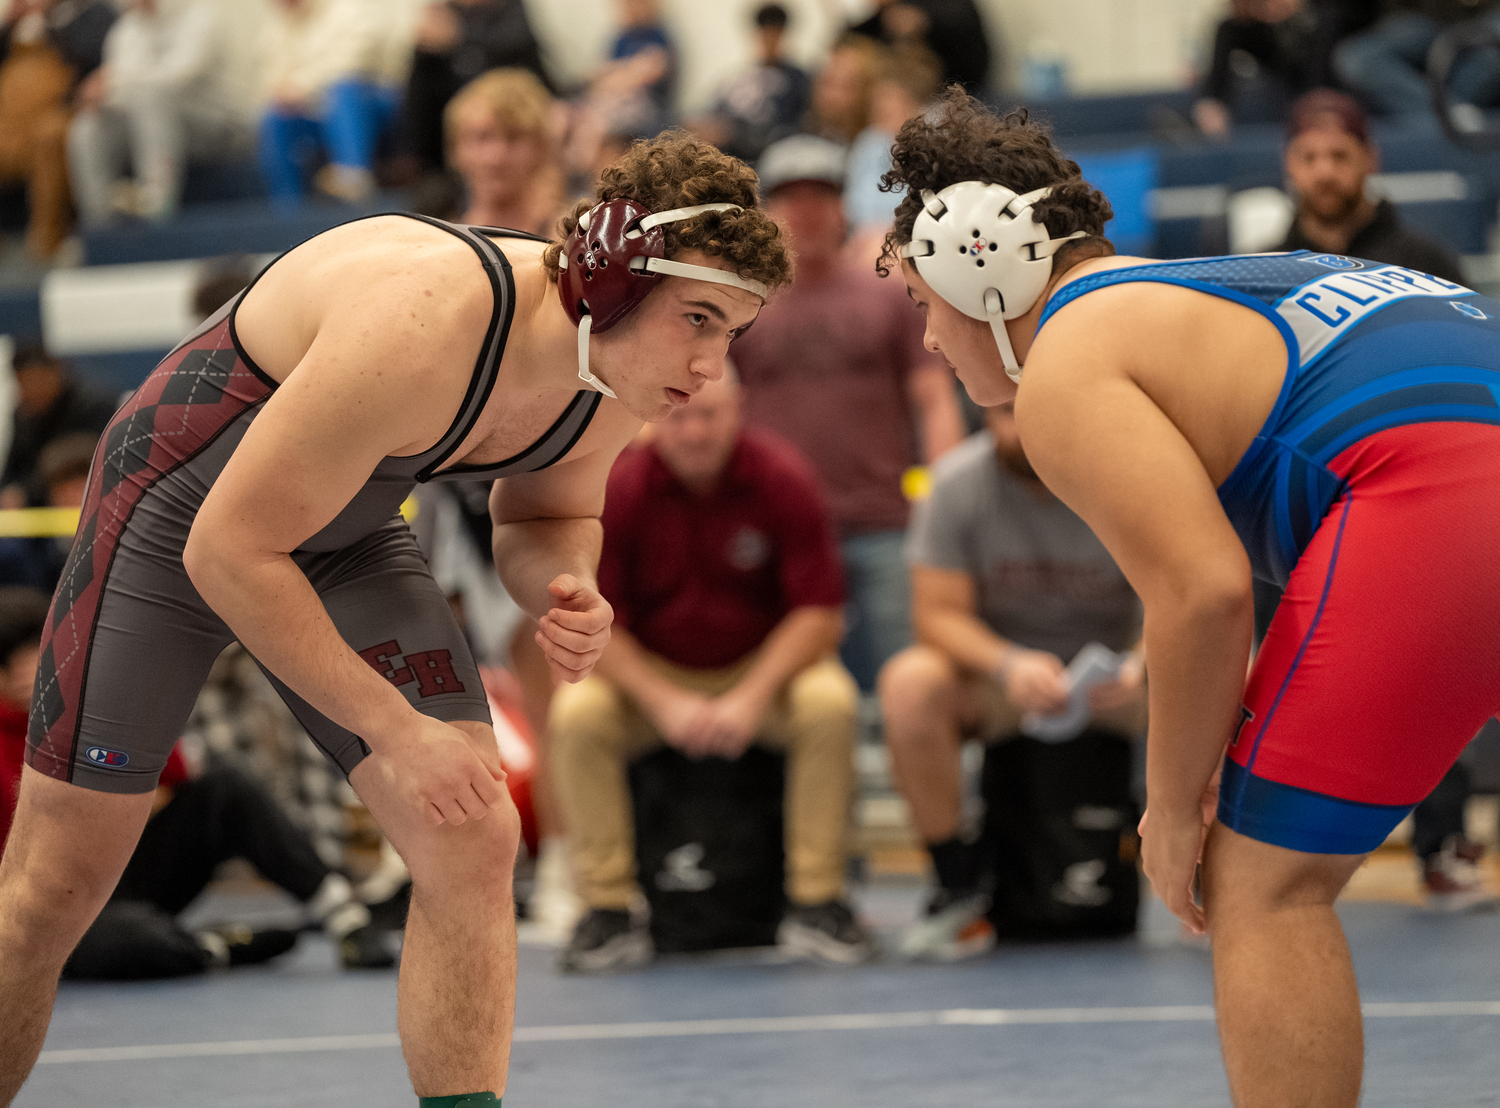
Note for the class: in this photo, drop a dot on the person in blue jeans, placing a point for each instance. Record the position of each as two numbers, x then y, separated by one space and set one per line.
327 97
1386 65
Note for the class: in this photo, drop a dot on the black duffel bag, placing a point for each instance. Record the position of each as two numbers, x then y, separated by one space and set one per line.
1060 834
708 848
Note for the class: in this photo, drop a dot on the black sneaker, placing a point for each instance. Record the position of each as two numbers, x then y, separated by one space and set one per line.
365 948
234 944
606 940
825 933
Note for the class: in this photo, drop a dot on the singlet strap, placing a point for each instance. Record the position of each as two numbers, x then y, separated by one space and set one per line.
486 369
551 447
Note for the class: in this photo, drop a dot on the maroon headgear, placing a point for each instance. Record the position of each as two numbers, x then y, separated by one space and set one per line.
612 261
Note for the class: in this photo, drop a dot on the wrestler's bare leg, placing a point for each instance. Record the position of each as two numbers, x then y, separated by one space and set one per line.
1284 988
456 996
67 848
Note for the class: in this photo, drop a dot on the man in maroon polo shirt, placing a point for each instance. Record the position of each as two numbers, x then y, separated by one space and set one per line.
720 563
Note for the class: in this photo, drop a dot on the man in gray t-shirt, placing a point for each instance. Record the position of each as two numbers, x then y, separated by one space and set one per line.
1007 585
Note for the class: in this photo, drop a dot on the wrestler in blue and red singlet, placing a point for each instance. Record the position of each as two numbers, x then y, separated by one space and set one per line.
1378 470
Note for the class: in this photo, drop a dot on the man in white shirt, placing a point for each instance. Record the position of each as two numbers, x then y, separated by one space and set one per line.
159 100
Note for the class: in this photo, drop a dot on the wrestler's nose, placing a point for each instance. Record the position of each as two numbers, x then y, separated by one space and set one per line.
709 365
930 340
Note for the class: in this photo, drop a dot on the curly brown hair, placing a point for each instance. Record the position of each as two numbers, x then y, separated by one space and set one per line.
676 170
962 140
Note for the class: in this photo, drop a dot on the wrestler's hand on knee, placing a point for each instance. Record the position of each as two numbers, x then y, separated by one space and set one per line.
1171 847
445 776
575 632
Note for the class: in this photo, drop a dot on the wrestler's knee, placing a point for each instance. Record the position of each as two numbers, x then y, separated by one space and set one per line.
475 859
1243 877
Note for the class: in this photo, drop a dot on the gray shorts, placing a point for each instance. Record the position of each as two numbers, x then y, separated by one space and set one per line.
156 639
129 642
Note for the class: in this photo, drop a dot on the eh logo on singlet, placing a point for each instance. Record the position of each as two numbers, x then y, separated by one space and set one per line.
432 670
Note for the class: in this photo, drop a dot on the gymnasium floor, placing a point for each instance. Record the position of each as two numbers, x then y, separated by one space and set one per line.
1122 1023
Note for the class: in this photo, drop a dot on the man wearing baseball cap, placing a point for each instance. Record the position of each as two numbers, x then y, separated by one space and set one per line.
835 364
1329 157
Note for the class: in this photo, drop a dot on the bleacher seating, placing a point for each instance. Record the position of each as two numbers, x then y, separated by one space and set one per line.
1171 196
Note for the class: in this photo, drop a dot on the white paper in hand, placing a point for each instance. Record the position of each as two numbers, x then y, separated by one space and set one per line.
1094 665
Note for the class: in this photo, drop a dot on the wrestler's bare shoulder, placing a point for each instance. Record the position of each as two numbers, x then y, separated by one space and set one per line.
1213 366
414 292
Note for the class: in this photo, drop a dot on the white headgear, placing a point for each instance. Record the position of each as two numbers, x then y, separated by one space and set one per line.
982 250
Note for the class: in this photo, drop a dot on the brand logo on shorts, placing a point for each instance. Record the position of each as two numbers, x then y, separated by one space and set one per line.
109 759
1468 309
1337 261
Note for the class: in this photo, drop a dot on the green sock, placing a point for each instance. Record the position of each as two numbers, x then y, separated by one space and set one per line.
463 1100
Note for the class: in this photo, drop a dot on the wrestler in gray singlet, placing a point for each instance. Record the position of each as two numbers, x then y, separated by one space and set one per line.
129 641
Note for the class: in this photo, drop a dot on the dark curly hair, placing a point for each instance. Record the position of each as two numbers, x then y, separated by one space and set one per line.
676 170
961 140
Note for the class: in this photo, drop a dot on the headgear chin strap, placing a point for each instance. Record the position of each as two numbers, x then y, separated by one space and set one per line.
614 246
982 250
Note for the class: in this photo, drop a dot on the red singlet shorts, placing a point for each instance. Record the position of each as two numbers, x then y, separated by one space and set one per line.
1384 658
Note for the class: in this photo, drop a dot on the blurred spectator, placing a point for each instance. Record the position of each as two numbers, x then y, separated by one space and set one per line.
1387 64
835 364
23 613
910 77
1008 584
327 98
841 90
641 74
951 29
720 564
160 100
1268 52
457 40
62 472
767 101
1328 160
197 822
46 48
500 143
52 403
629 97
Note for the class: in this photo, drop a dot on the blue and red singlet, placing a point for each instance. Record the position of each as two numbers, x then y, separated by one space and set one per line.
1372 494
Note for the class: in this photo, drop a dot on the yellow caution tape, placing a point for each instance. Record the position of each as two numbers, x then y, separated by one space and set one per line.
916 483
38 523
49 523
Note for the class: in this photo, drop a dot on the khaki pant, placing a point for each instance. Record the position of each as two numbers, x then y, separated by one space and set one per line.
596 731
34 87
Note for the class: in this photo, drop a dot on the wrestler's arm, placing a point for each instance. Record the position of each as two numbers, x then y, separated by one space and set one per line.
378 379
1106 449
546 542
